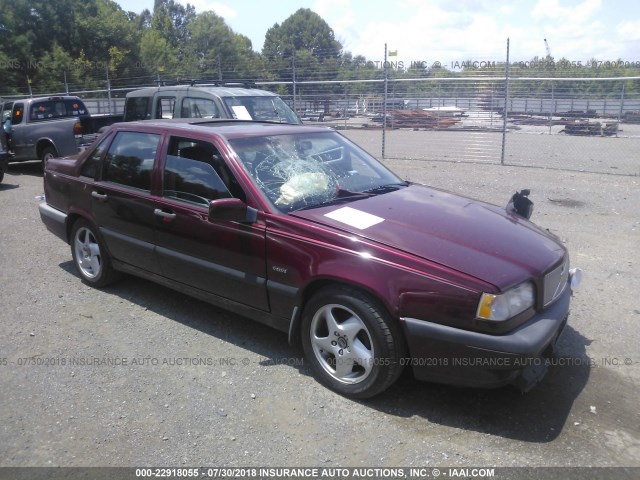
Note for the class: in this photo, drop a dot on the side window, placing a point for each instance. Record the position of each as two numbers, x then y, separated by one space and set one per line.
18 113
91 167
75 108
129 160
195 172
165 107
136 108
199 108
6 111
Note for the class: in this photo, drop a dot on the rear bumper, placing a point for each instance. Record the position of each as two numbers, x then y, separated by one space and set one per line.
54 220
449 355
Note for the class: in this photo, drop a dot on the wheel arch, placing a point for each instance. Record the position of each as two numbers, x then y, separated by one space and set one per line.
72 218
44 143
319 284
107 273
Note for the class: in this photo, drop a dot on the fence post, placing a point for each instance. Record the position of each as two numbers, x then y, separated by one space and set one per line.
384 103
506 101
552 108
621 107
108 88
293 68
345 112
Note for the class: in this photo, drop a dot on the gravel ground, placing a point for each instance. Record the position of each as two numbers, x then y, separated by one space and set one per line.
191 385
528 146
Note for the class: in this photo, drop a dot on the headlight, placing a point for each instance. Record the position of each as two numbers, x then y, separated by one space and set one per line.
507 305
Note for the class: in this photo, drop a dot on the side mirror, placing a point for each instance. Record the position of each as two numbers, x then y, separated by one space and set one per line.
520 204
6 126
232 209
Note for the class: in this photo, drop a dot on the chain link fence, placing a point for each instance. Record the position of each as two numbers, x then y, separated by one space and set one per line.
577 123
541 122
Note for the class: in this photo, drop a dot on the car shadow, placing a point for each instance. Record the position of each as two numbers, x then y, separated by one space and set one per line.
7 186
270 345
538 416
32 168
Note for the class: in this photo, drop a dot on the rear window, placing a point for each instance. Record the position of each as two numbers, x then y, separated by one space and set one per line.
129 160
48 109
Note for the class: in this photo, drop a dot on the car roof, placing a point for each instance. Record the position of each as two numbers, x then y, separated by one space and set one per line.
228 128
220 91
51 98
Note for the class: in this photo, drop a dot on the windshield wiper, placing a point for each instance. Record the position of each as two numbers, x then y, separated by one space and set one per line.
391 187
275 110
341 196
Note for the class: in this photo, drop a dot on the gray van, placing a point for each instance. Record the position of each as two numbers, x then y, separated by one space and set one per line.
207 100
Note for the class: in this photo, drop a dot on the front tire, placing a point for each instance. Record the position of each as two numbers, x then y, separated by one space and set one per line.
352 343
90 256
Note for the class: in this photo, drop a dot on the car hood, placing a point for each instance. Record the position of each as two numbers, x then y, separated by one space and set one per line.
469 236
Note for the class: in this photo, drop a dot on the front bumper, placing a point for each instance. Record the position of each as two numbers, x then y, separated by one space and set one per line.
449 355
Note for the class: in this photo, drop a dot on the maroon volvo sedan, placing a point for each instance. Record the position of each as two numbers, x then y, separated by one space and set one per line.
298 228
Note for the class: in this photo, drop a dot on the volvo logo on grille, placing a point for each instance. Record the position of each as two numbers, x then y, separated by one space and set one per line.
560 285
555 282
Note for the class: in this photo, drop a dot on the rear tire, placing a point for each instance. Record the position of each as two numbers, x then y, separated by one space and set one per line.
47 154
352 343
90 256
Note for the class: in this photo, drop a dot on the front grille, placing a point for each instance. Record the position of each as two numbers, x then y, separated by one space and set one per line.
555 282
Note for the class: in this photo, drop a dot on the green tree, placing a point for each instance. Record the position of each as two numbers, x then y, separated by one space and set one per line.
156 54
304 30
172 21
304 41
48 40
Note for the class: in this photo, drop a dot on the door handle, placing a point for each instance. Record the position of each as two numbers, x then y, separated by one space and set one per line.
166 216
99 196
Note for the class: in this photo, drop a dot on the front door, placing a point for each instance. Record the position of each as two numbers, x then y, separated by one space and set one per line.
225 258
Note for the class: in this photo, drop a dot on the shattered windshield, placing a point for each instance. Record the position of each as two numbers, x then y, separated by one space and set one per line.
262 108
308 170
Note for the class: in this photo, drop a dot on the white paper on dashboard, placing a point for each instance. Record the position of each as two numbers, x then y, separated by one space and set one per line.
241 112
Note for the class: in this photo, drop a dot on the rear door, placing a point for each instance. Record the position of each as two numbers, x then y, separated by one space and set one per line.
165 106
226 258
18 138
121 200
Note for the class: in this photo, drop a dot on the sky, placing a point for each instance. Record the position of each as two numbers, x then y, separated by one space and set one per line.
449 31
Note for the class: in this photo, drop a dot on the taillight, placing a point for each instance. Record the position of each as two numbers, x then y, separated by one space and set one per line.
77 129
